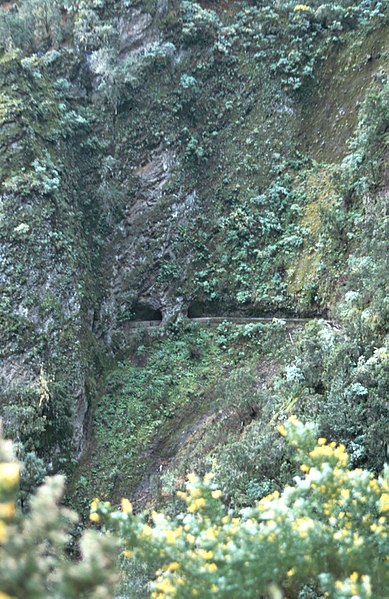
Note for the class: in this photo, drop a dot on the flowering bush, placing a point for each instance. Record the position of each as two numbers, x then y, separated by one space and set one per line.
327 531
302 8
33 559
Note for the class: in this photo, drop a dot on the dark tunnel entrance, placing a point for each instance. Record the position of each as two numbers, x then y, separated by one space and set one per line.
145 312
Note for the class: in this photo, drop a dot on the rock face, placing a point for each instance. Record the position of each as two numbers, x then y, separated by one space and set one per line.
137 31
143 251
42 278
50 276
145 239
153 177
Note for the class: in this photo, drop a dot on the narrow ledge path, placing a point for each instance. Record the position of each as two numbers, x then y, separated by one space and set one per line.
134 326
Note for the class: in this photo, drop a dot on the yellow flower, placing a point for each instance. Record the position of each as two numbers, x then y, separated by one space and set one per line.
93 517
384 502
126 506
94 504
9 474
282 430
302 526
194 492
216 494
291 572
354 577
182 495
373 485
166 586
196 505
340 534
190 538
302 8
172 535
4 596
210 567
173 566
209 476
192 478
128 553
293 419
274 495
7 510
210 534
147 531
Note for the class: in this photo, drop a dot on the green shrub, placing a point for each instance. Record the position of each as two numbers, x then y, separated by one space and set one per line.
34 562
326 531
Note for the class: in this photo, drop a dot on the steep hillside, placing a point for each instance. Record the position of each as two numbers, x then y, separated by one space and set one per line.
45 263
164 159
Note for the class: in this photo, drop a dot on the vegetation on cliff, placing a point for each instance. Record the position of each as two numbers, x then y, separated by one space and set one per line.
164 159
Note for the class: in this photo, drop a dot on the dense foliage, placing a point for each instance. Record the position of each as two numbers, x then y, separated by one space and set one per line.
165 158
327 532
33 547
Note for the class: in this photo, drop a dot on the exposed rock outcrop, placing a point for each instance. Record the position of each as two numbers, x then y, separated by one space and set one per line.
138 29
145 262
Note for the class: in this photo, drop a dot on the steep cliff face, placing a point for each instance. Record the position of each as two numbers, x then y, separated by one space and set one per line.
40 270
47 261
146 239
228 152
164 155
